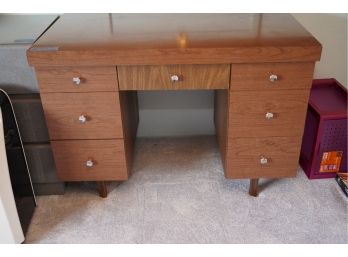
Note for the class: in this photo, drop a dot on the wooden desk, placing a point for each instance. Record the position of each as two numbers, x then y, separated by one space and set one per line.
90 66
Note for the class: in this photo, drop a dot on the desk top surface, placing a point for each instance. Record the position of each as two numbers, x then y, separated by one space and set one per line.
173 38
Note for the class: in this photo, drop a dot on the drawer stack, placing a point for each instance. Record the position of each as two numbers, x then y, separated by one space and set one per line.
82 108
265 119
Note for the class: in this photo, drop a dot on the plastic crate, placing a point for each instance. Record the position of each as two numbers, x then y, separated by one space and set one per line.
324 143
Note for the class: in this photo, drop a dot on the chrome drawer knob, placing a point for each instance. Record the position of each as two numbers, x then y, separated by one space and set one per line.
273 78
269 115
89 163
76 81
82 119
174 78
263 160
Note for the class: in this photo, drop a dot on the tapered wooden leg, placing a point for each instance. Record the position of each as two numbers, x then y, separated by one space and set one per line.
254 187
103 191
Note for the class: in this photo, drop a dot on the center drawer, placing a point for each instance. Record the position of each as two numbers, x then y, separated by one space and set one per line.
174 77
90 160
83 115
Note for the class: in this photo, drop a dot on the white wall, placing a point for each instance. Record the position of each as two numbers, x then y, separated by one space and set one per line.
331 32
190 112
176 113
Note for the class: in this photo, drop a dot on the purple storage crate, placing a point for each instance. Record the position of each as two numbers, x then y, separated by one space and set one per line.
325 133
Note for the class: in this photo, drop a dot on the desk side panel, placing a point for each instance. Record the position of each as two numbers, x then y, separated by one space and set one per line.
130 121
221 107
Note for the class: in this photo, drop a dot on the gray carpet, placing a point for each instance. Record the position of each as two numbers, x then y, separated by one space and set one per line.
178 194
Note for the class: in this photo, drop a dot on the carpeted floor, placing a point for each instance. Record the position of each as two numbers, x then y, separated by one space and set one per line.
178 194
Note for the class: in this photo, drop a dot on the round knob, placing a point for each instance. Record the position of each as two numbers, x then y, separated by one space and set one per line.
273 78
174 78
82 119
76 81
263 160
89 163
269 115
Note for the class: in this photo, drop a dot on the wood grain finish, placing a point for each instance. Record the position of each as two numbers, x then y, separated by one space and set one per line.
221 107
255 54
93 79
108 158
234 54
130 121
245 153
253 77
247 115
102 110
158 77
160 39
250 134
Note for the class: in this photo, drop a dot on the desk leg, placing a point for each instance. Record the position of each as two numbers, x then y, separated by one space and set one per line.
254 187
103 191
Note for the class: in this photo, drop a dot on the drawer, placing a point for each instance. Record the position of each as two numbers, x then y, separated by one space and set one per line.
279 156
258 76
174 77
77 79
82 115
250 113
90 160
